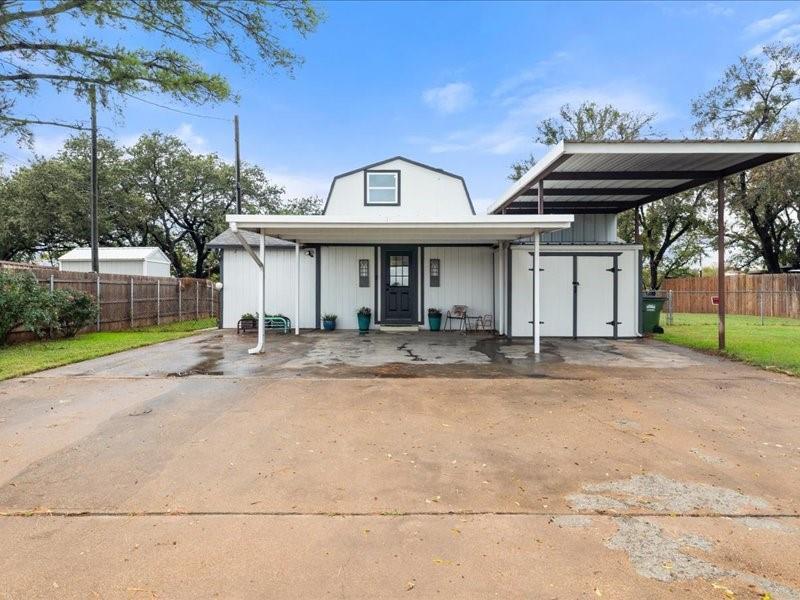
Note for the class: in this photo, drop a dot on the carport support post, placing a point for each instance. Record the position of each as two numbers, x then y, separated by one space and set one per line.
261 293
721 261
296 288
541 197
536 294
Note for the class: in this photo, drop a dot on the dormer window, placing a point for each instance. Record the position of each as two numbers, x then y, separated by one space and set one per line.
382 188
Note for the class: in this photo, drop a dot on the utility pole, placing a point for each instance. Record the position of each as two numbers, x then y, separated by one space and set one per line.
94 236
238 165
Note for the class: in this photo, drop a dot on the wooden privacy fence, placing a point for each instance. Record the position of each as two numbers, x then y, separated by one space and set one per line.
769 295
127 301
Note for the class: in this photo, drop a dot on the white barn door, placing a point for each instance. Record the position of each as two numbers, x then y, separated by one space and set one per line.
596 296
556 296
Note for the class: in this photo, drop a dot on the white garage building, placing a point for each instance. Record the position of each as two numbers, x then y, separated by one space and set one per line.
129 260
401 237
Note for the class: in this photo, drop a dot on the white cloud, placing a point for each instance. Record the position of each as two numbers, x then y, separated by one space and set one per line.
191 138
526 76
788 35
48 145
767 24
513 133
298 186
449 98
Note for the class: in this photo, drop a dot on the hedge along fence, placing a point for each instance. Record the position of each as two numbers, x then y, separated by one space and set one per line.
768 295
127 301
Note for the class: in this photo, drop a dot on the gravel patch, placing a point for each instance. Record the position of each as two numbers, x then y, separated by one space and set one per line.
572 521
658 493
656 555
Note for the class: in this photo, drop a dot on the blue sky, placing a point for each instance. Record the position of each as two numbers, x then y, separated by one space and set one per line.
460 86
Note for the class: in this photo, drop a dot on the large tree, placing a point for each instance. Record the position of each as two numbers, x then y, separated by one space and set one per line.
588 122
190 194
36 48
156 193
673 232
754 100
44 204
671 227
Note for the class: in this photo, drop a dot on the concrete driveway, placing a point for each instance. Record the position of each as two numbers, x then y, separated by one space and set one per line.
400 466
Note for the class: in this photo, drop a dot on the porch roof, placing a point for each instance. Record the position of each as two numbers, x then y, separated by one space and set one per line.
326 229
609 177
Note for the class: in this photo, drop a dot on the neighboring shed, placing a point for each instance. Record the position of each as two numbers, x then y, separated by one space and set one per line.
147 260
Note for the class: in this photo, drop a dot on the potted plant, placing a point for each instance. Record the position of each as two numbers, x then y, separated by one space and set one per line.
247 322
364 316
329 322
434 319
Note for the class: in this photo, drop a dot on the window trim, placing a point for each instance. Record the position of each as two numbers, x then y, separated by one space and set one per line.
435 280
396 173
363 279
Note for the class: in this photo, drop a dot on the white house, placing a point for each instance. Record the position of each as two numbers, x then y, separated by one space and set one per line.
144 260
401 237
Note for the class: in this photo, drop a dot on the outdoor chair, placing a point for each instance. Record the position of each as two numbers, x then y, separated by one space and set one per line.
485 323
457 313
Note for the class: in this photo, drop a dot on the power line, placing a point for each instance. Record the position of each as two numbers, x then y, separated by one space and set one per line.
183 112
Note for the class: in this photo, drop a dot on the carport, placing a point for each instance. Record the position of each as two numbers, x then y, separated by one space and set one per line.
321 229
611 177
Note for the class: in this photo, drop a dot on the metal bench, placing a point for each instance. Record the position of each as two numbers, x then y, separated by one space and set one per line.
277 322
270 322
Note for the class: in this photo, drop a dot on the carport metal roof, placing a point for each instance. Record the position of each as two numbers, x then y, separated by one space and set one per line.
609 177
327 229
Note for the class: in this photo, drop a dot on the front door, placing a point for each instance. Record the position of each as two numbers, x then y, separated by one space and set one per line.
399 286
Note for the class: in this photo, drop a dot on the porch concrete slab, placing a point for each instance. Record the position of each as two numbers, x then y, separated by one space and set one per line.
347 354
664 473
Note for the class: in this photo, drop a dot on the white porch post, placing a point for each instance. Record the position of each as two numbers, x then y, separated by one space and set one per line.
261 295
297 288
536 294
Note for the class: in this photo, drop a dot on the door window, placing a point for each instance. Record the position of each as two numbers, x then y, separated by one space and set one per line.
398 270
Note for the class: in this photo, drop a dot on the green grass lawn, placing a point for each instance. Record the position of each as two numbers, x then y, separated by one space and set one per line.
774 345
29 357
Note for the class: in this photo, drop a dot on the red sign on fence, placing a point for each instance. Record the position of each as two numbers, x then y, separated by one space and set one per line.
715 300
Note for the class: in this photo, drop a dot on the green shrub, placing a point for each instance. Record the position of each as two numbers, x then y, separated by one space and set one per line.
73 310
23 303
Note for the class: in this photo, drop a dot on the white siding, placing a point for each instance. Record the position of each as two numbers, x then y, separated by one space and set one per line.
240 285
341 294
466 278
499 307
521 291
591 272
157 269
423 193
586 228
119 267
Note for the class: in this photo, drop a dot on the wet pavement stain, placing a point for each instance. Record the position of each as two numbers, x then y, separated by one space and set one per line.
212 355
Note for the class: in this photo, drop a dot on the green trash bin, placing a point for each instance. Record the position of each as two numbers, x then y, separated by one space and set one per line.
651 314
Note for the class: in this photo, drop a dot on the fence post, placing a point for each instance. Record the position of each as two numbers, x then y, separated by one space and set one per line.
180 299
670 307
131 315
52 288
211 299
158 302
761 304
196 299
99 306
